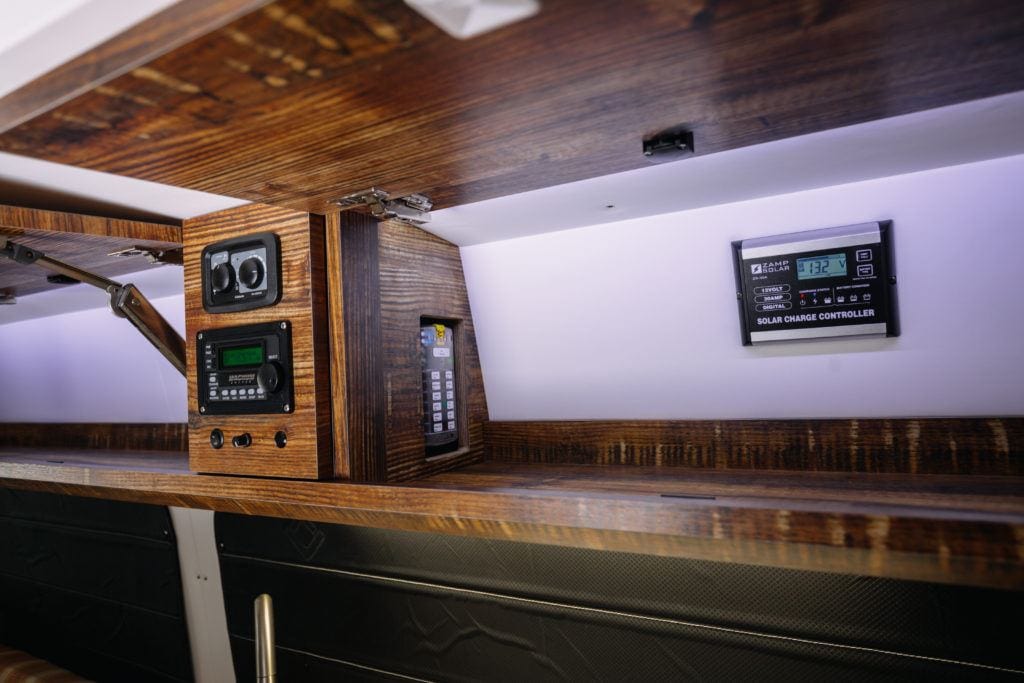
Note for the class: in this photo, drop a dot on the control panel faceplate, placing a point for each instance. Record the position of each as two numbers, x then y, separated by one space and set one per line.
437 357
241 273
245 370
833 282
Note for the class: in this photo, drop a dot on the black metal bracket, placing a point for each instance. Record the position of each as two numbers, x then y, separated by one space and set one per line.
153 255
125 300
669 145
19 253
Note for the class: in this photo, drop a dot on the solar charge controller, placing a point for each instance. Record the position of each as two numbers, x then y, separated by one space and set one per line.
833 282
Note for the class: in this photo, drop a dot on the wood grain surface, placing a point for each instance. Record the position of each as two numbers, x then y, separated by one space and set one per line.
421 276
357 350
110 436
948 529
304 305
393 275
356 462
304 101
13 218
178 24
926 446
80 240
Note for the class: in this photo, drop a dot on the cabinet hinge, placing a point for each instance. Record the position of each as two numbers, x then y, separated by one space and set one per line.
413 208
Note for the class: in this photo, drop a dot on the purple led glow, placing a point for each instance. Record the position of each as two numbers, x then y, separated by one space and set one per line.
638 319
89 366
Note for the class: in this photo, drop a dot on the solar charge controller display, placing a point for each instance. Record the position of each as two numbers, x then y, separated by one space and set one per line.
835 282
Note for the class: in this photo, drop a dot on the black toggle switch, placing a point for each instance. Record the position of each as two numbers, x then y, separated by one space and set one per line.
242 441
281 439
217 438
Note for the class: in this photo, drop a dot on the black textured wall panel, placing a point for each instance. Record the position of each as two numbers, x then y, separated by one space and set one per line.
92 586
443 607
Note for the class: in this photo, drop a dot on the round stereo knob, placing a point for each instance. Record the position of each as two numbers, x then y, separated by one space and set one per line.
270 377
223 277
251 272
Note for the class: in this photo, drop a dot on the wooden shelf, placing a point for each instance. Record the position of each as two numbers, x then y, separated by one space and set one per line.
296 104
942 528
80 240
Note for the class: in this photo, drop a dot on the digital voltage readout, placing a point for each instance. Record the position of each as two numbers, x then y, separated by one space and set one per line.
830 265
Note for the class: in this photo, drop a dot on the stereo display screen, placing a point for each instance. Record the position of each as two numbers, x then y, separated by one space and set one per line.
241 356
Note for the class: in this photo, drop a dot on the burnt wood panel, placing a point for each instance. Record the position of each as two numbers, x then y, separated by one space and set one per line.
13 218
394 274
178 24
357 364
939 528
925 446
303 303
306 100
81 240
346 466
135 437
421 276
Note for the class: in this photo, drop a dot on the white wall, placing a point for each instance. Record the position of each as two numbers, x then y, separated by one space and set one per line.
638 319
89 366
36 37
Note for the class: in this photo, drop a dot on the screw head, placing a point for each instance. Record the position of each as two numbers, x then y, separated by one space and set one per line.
287 408
284 326
200 335
202 409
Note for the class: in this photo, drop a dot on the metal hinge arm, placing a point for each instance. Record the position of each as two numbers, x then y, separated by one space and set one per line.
125 300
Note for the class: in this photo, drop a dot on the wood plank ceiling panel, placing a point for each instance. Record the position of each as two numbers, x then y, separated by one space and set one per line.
305 100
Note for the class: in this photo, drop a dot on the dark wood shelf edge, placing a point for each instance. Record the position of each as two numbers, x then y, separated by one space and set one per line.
992 445
83 226
926 544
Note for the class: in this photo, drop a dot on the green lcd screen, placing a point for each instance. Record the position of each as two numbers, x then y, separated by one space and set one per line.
830 265
239 356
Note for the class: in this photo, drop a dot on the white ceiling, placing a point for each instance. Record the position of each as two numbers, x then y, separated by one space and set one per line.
39 35
21 19
93 186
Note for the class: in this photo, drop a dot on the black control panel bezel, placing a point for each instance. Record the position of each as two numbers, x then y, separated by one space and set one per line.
207 363
445 393
235 300
827 323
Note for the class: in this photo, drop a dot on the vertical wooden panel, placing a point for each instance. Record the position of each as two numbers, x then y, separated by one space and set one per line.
303 304
363 409
394 274
421 276
337 348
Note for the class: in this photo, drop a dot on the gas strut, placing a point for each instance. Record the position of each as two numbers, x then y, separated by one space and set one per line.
125 300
